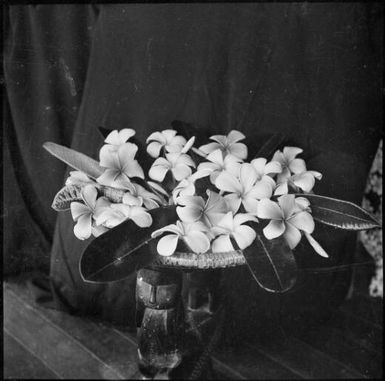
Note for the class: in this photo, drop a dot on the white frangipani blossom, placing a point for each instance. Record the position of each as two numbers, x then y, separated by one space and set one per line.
83 213
227 144
218 162
119 165
167 139
195 208
304 181
289 162
194 235
289 217
178 163
116 138
245 189
187 186
231 226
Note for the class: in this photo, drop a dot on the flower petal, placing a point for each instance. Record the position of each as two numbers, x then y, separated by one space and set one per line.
235 136
269 209
244 236
273 167
316 246
241 218
188 145
197 241
291 152
292 236
302 221
287 204
108 158
227 222
233 202
133 169
222 244
89 194
281 189
129 199
228 183
157 136
158 172
140 216
189 214
274 229
180 172
297 166
107 177
210 147
78 209
166 245
216 157
259 165
248 176
250 204
316 174
262 189
82 229
239 150
154 148
172 228
305 181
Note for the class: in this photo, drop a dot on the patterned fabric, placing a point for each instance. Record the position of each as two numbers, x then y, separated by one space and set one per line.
372 239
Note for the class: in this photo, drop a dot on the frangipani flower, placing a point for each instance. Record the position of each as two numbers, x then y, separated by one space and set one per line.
192 234
246 189
116 138
196 208
120 165
232 226
187 186
263 169
304 181
227 144
178 163
117 213
83 213
289 217
218 162
168 139
148 199
290 164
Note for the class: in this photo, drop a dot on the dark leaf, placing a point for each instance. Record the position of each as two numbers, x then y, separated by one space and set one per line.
271 145
75 159
340 214
117 253
271 263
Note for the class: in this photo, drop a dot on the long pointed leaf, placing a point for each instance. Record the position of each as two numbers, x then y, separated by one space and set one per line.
75 159
271 263
340 214
117 253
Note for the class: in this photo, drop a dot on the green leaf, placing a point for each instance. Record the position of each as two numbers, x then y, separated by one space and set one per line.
117 253
75 159
271 263
340 214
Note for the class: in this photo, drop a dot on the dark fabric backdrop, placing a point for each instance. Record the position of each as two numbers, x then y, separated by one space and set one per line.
311 71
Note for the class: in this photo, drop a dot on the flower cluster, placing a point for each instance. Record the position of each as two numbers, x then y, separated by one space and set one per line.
218 194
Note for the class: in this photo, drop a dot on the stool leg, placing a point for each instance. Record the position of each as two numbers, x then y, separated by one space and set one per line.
160 321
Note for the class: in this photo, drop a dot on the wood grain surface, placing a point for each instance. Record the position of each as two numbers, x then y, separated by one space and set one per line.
42 343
